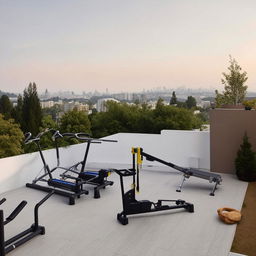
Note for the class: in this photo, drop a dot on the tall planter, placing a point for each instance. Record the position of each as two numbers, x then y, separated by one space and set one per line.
246 161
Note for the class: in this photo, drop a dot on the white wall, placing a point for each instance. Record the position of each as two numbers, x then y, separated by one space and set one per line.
171 145
183 148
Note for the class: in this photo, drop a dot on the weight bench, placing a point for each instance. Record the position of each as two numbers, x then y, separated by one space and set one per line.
210 176
187 172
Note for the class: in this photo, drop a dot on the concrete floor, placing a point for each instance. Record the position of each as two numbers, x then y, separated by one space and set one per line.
90 227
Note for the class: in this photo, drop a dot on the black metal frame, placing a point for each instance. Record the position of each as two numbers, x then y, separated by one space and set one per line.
132 206
71 190
23 237
98 179
187 172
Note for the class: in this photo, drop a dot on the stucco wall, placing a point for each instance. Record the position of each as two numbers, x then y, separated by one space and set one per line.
227 130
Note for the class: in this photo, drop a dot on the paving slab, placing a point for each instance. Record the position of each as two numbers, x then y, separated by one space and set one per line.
90 226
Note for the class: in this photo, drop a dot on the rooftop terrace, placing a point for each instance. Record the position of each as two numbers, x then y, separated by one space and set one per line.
90 226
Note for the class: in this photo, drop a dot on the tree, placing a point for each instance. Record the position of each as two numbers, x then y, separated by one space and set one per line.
121 117
11 138
173 100
245 161
53 111
234 85
191 102
31 110
75 121
5 106
17 111
170 117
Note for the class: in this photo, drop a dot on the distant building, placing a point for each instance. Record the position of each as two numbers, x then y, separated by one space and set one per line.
204 104
124 96
101 104
139 97
81 107
69 106
47 104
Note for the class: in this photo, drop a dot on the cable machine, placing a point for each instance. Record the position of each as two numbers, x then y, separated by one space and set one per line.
132 206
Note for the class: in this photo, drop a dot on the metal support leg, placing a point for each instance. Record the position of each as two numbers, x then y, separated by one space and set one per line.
2 246
213 189
181 185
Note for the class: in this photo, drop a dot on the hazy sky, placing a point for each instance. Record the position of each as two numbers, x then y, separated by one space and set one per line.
124 45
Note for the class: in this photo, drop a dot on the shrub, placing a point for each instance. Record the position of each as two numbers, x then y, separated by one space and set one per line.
246 161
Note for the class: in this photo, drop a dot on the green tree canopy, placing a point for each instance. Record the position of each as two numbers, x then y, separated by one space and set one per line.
31 110
11 138
75 121
191 102
17 111
5 106
234 85
121 117
170 117
173 100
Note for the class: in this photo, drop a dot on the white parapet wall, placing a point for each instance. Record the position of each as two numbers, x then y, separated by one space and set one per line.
184 148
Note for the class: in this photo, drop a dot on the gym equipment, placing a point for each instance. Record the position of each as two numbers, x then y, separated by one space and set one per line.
229 215
96 178
21 238
62 187
133 206
187 172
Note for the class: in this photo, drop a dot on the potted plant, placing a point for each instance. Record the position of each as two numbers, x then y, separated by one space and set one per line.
245 161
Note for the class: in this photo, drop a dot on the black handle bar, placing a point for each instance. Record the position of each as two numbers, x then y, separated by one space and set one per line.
2 200
92 139
75 135
40 134
28 136
15 212
81 136
29 139
39 204
56 135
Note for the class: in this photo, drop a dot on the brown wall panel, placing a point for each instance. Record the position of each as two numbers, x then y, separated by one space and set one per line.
227 128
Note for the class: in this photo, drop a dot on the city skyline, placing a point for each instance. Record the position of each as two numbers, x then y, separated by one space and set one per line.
124 46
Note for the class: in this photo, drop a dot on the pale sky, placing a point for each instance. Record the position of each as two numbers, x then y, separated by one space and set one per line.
124 45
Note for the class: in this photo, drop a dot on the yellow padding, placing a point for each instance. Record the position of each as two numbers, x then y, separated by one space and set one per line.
139 158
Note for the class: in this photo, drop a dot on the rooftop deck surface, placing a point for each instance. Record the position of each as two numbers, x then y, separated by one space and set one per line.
90 226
